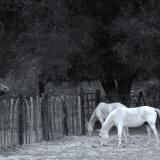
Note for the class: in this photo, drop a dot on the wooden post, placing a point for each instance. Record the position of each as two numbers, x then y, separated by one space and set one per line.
98 97
38 120
49 114
60 117
16 121
53 99
65 124
82 112
75 114
32 119
25 121
28 126
12 120
3 125
20 121
56 118
44 111
79 115
140 99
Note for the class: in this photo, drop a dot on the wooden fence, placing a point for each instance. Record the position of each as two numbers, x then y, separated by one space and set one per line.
31 120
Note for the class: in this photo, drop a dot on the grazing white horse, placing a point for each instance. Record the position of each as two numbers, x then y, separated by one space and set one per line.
101 112
130 117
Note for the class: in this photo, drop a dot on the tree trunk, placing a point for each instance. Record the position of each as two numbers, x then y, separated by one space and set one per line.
124 89
111 91
119 92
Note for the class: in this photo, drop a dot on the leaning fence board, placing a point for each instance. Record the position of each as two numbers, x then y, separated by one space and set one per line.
49 119
41 119
72 114
53 116
56 119
15 123
75 114
38 112
60 113
79 115
11 121
68 115
28 120
25 123
31 120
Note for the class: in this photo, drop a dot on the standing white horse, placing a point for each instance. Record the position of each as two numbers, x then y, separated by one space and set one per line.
101 112
130 117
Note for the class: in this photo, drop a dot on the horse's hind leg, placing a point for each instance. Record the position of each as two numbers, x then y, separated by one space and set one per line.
155 132
149 132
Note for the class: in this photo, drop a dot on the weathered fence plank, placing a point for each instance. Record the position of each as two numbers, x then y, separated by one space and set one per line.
31 120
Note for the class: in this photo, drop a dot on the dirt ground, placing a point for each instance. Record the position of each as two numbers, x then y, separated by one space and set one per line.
87 148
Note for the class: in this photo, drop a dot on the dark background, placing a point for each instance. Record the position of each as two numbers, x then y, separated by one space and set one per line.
57 41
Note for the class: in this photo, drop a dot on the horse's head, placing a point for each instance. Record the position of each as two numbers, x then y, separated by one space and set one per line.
90 129
104 137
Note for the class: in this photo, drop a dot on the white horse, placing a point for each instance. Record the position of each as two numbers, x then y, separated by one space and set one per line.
130 117
101 112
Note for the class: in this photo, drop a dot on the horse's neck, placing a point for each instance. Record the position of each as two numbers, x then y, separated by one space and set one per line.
92 119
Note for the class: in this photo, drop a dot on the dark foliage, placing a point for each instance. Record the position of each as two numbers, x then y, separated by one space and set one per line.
79 40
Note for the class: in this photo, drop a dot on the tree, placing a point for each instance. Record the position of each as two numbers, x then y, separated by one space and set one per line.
136 43
125 48
73 40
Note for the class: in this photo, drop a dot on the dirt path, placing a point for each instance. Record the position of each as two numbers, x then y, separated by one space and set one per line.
87 148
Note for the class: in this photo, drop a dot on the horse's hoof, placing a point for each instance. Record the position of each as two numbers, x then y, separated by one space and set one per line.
103 144
119 145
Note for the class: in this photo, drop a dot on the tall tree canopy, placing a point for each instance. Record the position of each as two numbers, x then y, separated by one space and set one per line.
126 46
115 41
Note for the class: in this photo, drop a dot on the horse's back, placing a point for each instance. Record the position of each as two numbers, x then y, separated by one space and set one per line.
134 116
114 105
144 110
106 108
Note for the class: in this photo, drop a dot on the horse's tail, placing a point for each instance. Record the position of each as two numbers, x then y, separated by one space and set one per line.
92 122
158 112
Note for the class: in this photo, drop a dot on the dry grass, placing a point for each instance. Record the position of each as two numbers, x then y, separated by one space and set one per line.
88 148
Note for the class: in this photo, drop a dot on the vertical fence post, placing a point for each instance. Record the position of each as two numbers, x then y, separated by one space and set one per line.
65 124
20 121
44 112
82 112
98 96
140 99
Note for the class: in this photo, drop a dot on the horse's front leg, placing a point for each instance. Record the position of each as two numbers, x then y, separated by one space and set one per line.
127 131
120 129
